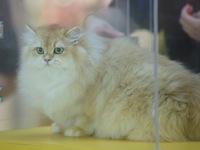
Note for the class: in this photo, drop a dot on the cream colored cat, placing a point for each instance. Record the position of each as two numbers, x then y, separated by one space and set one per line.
88 88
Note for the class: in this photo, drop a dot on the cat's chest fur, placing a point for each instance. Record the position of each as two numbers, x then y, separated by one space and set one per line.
52 92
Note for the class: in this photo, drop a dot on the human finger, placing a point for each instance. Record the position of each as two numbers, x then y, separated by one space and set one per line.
191 32
187 17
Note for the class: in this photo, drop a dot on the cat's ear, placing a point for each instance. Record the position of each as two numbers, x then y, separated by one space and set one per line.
29 29
74 35
28 35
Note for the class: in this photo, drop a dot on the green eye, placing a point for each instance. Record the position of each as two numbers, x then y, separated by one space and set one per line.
58 50
40 50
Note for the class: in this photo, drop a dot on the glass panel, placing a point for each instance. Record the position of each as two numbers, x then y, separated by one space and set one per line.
1 29
132 18
175 35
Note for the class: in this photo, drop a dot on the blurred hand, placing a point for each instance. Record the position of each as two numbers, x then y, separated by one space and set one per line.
102 28
190 22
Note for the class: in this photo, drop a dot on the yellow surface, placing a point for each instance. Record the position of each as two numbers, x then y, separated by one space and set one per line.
42 139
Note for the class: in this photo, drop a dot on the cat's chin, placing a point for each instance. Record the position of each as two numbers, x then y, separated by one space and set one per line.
44 66
50 64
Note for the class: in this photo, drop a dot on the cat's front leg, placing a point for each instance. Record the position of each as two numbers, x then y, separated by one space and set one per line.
82 127
55 128
75 132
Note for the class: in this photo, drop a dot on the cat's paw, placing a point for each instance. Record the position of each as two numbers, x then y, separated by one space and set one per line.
55 128
75 132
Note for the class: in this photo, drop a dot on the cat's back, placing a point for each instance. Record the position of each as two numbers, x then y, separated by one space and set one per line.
126 53
126 47
127 63
127 60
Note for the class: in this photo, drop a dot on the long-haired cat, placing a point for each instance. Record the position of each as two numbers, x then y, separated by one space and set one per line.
89 88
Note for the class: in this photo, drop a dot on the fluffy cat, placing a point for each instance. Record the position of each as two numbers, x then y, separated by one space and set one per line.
89 88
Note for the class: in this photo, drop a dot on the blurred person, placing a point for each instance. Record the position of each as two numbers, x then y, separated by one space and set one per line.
8 65
132 18
8 50
70 12
179 19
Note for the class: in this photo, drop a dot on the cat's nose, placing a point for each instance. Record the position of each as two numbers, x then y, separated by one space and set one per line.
47 59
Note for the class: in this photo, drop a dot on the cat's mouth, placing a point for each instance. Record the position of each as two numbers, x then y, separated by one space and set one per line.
50 63
47 64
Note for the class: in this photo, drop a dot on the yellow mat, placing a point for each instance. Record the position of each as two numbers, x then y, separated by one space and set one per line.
42 139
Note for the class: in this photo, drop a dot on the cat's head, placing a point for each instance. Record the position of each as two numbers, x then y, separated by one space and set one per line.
53 46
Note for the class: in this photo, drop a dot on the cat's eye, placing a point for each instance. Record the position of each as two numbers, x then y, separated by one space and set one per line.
58 50
40 50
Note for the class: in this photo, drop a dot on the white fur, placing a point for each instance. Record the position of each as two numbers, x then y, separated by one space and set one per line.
54 89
